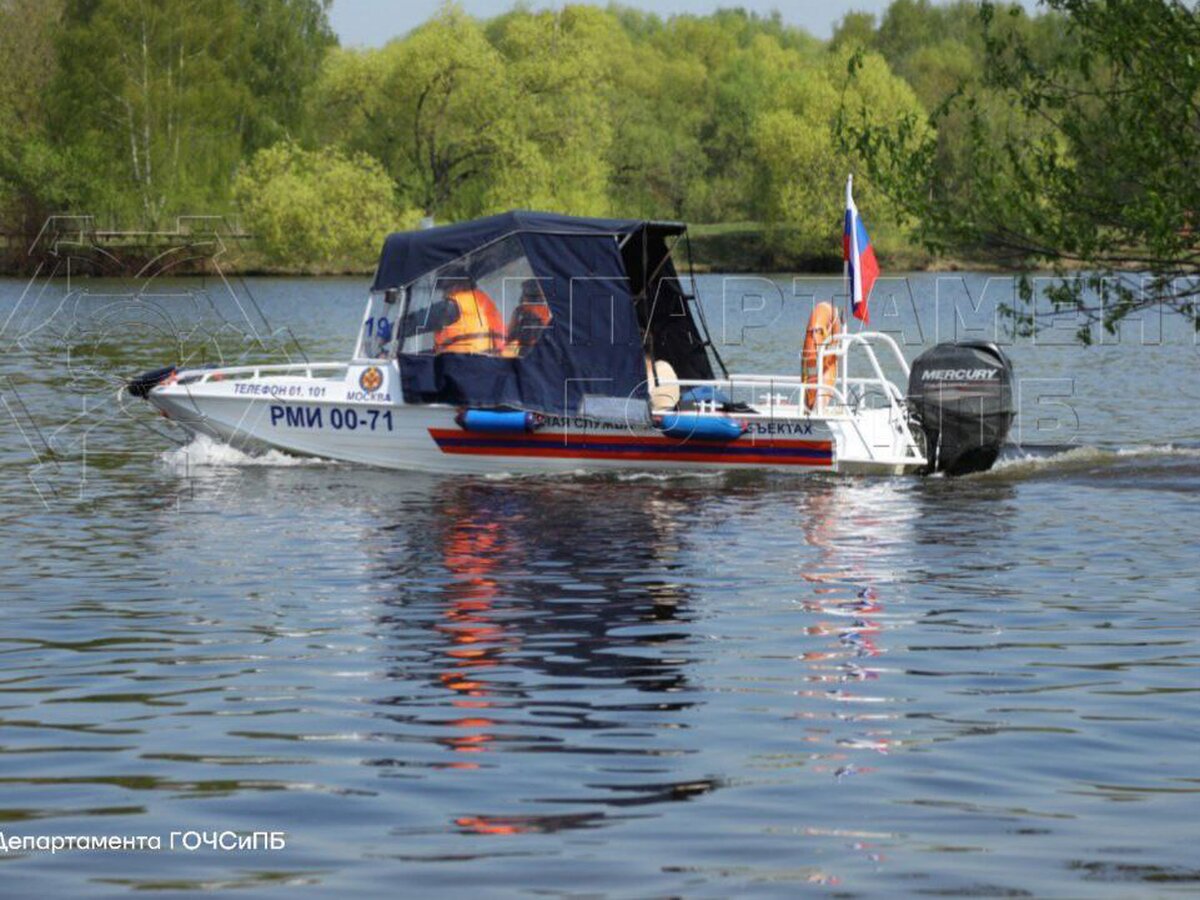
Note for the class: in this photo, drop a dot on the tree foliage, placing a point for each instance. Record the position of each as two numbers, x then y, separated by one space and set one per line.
1069 136
319 206
286 43
147 97
157 106
798 151
34 171
434 108
143 110
560 68
1078 147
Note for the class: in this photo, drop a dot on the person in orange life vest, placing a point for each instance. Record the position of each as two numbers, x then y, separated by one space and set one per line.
472 323
529 319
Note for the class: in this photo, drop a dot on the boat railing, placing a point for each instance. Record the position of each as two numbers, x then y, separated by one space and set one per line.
867 340
841 394
838 401
772 388
842 344
839 348
330 370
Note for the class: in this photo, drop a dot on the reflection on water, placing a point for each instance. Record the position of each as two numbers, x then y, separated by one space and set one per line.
535 614
640 686
725 682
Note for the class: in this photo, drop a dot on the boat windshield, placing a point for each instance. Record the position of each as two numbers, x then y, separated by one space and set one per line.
488 303
376 337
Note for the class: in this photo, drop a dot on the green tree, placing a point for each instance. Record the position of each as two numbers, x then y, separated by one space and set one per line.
345 104
147 96
856 29
318 208
436 108
27 61
285 44
658 111
1099 168
803 166
907 25
741 60
741 88
935 48
560 68
35 174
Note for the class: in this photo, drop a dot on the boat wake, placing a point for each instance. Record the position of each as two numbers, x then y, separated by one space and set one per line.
1019 462
1016 462
204 452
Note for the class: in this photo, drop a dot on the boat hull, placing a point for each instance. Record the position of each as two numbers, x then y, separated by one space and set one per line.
334 418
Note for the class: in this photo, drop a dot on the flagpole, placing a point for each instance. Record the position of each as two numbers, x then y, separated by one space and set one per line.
847 255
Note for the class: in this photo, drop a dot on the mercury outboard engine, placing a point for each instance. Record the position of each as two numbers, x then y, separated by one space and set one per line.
961 396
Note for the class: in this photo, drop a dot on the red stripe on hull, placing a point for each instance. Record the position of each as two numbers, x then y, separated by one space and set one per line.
640 448
582 439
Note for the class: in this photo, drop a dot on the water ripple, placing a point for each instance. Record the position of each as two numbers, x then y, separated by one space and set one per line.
632 686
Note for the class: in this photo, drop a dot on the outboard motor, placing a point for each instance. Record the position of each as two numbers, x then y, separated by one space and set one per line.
961 396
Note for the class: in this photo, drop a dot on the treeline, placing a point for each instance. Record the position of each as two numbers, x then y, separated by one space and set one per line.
138 111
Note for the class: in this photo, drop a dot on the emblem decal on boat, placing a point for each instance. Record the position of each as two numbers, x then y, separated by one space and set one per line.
370 379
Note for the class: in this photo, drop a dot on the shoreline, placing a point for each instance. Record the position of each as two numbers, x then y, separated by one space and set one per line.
256 269
711 249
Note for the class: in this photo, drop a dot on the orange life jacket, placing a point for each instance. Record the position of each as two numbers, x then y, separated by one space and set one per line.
528 322
478 328
823 324
531 315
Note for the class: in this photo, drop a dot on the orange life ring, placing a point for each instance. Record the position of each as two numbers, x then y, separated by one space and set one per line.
823 325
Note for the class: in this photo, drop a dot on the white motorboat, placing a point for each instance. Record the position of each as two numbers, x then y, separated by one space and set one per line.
534 343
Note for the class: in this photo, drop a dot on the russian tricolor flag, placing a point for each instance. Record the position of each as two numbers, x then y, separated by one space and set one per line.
861 266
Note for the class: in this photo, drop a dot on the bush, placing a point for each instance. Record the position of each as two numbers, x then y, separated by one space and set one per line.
318 208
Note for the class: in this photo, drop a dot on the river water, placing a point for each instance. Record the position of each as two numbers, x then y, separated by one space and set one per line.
731 685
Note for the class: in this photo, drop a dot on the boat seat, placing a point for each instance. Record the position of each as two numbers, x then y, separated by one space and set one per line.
662 396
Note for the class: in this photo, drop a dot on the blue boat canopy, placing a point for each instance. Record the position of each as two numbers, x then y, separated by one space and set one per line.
534 311
407 255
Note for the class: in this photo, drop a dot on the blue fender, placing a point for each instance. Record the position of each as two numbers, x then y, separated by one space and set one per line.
701 428
497 421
